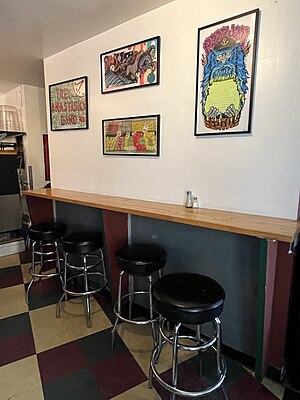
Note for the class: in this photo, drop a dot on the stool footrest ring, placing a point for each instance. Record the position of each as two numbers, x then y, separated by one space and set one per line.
185 393
85 293
200 347
99 260
124 319
44 276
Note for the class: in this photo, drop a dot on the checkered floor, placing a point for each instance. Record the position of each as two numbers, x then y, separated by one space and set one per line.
42 357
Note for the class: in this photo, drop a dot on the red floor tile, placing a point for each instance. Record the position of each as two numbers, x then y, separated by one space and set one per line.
16 348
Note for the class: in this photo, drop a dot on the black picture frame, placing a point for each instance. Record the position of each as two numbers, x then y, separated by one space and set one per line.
131 136
68 101
133 66
226 63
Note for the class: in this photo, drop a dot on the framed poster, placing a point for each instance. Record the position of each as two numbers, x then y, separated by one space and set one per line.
133 66
69 104
131 136
225 74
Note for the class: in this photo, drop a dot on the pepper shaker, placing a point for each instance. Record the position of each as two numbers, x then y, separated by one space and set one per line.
189 199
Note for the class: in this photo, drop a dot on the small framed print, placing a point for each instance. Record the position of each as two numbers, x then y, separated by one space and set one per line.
133 66
69 104
131 136
225 75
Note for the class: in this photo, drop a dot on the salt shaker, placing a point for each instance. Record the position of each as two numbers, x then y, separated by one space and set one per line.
195 202
189 199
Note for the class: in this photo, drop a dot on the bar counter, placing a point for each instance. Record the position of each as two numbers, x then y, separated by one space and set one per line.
275 258
284 230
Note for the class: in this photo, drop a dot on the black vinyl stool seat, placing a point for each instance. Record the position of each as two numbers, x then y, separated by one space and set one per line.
83 254
191 299
137 260
82 242
45 238
47 231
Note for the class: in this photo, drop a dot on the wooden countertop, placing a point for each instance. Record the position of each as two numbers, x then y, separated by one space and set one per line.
8 152
284 230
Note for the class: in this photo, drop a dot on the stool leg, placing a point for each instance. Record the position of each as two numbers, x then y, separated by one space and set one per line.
153 328
157 349
224 393
113 332
160 338
58 266
87 297
219 341
218 323
27 242
64 283
32 270
175 358
168 322
103 265
198 337
41 260
131 296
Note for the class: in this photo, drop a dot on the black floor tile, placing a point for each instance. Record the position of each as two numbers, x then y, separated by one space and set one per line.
291 395
25 257
81 385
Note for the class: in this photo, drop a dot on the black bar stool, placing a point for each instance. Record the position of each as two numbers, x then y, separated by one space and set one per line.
187 298
45 239
83 253
137 260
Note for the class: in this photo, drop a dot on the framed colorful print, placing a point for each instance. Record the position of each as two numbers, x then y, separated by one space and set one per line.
69 104
132 66
225 75
132 136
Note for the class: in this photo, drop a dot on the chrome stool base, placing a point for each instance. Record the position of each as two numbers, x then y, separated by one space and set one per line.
200 346
85 272
137 260
131 295
39 248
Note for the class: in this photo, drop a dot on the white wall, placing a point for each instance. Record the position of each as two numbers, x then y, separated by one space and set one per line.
259 173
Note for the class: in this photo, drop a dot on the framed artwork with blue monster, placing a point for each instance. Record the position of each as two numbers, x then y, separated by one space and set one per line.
225 75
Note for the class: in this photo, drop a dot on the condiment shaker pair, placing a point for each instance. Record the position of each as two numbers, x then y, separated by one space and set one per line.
191 201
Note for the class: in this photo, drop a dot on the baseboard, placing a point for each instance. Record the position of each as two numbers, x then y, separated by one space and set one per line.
277 374
12 246
245 359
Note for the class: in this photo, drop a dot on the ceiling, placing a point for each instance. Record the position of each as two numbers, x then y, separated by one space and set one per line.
31 30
